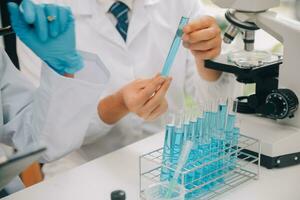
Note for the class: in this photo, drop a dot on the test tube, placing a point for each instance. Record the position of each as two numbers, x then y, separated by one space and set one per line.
221 124
190 177
200 154
187 125
216 145
174 47
229 132
222 113
199 127
206 145
236 135
177 141
166 157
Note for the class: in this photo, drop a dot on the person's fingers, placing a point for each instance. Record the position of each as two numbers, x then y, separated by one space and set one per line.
41 23
52 12
199 24
202 35
157 112
163 89
17 20
14 12
28 11
151 88
142 83
205 45
205 55
63 18
159 96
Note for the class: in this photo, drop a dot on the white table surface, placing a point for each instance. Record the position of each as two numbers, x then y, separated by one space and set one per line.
120 170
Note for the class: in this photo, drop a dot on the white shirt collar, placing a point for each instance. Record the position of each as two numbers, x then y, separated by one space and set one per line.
108 3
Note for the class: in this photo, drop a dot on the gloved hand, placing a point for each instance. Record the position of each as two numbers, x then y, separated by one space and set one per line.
49 31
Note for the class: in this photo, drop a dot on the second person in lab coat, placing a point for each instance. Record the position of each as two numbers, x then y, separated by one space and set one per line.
133 37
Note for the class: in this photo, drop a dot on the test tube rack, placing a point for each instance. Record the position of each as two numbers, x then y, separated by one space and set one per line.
244 169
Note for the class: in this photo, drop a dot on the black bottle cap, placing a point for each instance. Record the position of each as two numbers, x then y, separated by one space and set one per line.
118 195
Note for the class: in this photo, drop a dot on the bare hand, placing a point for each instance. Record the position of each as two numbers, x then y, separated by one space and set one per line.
146 98
203 38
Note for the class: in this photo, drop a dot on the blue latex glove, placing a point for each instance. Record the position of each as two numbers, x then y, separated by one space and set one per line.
49 31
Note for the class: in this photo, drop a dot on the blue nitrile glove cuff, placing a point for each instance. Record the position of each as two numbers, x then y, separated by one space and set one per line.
73 64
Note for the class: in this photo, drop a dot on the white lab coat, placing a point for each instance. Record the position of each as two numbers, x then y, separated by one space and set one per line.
56 114
151 31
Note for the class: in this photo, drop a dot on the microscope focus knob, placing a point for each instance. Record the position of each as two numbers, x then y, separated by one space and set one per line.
282 103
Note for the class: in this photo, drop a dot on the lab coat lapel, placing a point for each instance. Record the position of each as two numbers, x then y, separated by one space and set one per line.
105 27
140 19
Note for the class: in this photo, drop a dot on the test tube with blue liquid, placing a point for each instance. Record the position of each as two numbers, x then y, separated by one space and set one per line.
222 114
167 150
229 134
206 144
236 135
214 133
216 145
177 141
198 141
191 135
174 47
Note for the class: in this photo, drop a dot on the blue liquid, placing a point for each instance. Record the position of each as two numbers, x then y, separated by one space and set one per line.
177 141
174 47
220 141
234 157
206 170
229 139
190 177
215 141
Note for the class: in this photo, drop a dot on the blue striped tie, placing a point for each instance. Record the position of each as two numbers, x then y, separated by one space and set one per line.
120 11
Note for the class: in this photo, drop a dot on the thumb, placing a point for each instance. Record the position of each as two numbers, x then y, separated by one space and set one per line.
17 21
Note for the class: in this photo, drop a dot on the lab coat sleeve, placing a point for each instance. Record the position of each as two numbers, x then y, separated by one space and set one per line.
67 108
202 90
16 105
97 128
56 115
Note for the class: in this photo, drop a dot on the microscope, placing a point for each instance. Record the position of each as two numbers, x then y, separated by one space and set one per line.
271 114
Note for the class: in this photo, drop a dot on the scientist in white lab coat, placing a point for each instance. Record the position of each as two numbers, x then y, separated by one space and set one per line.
133 37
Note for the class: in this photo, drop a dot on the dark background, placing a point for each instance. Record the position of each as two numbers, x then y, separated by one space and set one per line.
10 40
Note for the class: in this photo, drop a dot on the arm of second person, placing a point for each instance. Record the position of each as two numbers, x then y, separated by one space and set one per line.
51 40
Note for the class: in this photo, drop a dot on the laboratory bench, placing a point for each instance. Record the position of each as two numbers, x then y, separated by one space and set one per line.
120 170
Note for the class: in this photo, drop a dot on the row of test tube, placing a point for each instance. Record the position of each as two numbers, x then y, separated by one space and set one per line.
214 132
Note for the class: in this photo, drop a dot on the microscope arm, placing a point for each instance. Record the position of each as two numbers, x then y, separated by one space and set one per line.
279 27
288 33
